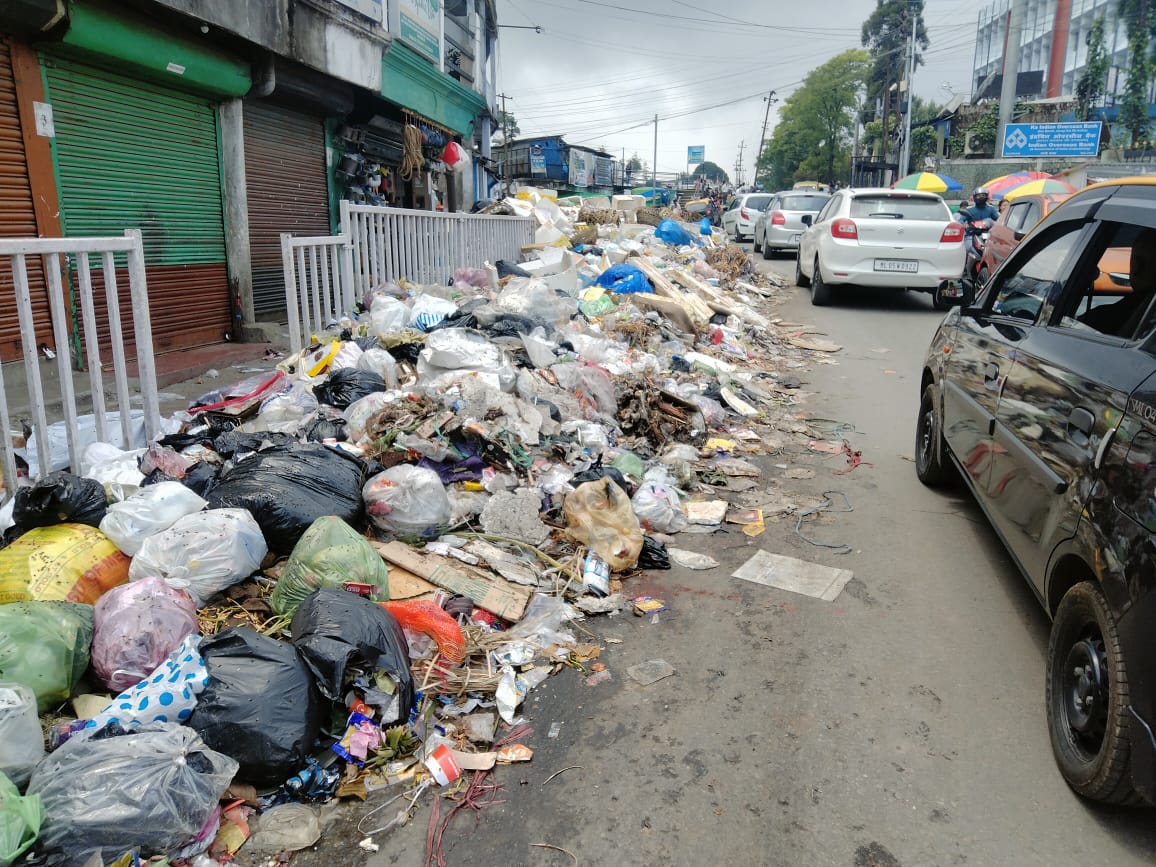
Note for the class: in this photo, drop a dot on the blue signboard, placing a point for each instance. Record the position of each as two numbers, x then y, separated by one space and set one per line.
695 154
1052 139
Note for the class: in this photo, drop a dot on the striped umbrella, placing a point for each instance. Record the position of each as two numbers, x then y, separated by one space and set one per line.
997 186
929 182
1041 186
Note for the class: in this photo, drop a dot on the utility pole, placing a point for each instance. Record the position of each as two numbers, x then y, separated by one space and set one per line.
1011 68
654 169
769 99
739 164
905 151
505 145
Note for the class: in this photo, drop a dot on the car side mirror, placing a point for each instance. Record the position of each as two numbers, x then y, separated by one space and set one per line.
953 293
808 219
1019 236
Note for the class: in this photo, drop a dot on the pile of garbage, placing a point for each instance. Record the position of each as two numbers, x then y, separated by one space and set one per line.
343 576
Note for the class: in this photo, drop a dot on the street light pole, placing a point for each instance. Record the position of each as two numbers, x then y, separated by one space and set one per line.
1011 66
769 99
905 151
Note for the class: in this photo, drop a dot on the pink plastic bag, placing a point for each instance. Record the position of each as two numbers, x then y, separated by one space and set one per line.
137 626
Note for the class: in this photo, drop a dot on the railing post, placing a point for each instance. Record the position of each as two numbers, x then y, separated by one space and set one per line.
295 344
142 327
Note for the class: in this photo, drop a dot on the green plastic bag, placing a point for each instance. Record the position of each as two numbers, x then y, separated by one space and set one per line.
45 647
330 554
20 820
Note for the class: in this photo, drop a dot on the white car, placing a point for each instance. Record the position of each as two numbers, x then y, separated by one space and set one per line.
880 237
738 220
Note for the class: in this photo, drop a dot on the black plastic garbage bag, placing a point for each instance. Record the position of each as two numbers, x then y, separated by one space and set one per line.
260 707
287 488
199 478
231 443
321 429
654 555
336 630
343 387
597 472
510 269
59 498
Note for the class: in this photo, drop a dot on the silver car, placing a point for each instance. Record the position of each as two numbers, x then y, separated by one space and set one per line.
785 219
739 219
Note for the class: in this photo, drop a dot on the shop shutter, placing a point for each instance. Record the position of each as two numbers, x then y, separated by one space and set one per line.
17 220
285 174
132 154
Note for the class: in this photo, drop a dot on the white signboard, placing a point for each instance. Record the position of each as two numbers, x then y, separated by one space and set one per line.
581 168
368 8
418 23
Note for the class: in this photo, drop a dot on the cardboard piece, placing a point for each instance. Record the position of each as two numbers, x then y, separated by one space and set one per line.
403 584
668 307
490 592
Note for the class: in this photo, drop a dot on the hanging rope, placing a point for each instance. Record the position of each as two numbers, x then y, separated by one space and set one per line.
411 158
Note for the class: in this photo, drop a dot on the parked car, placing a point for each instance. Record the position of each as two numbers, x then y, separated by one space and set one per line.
880 237
783 221
738 219
1042 394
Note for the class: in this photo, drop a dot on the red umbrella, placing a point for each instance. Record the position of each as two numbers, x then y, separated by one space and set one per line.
997 186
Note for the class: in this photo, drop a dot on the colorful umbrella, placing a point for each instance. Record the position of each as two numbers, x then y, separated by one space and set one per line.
929 182
1042 186
997 186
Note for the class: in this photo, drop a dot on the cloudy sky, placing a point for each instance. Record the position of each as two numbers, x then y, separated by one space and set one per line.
601 69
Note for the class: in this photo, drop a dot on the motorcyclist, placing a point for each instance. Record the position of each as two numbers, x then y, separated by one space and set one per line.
982 209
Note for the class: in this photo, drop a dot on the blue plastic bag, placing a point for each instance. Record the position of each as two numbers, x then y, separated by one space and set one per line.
625 280
704 226
672 233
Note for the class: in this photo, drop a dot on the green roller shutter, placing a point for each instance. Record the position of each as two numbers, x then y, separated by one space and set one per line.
133 154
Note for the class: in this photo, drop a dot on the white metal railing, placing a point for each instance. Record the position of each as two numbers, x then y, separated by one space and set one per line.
426 246
318 283
79 250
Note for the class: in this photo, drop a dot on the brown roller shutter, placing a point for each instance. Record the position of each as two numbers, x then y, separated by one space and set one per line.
286 176
17 220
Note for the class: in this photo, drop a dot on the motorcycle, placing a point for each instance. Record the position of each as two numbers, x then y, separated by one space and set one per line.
976 233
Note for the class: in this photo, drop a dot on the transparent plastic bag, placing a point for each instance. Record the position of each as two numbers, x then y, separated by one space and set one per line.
21 740
44 646
286 412
20 821
407 500
358 413
599 515
136 626
329 554
379 361
388 316
152 788
203 553
147 512
347 356
657 508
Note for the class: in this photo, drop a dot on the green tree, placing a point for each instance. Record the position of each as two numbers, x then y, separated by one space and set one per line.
712 172
1140 16
923 137
1092 82
886 35
508 123
813 136
634 163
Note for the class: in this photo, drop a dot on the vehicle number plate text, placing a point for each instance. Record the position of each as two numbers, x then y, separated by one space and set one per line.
908 266
795 239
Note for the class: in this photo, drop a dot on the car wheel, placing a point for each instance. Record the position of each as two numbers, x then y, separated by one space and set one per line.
768 250
982 277
820 291
931 463
758 248
1087 698
800 278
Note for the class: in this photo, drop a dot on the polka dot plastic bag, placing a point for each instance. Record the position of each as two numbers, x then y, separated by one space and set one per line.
169 694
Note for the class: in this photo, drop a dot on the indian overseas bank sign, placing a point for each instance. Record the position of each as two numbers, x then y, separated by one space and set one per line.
418 23
1076 139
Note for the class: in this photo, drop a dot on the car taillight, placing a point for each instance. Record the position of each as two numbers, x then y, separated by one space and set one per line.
778 218
952 234
743 213
844 228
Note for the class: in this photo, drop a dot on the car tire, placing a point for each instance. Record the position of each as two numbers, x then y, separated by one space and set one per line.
757 247
820 291
801 279
932 466
768 251
981 278
1085 661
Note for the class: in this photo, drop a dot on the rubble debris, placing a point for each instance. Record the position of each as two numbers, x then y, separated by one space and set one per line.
797 576
651 671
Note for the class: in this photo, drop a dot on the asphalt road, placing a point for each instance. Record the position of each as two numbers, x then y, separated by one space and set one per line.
901 724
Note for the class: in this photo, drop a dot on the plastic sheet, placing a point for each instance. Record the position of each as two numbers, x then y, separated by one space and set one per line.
336 632
346 386
67 561
599 515
59 498
21 740
429 618
286 411
44 646
625 279
148 512
154 788
20 821
329 555
260 706
672 233
136 627
407 500
203 553
287 488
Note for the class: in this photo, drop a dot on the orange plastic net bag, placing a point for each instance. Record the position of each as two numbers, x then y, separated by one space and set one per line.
421 615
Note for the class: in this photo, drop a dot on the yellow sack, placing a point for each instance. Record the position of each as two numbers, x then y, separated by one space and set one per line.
61 563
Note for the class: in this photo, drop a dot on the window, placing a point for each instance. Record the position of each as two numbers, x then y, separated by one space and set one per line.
1114 285
828 210
805 202
756 203
1031 217
899 207
1034 275
1016 214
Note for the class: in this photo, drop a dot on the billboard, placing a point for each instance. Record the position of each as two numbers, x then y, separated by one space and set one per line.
1052 139
418 23
695 154
581 168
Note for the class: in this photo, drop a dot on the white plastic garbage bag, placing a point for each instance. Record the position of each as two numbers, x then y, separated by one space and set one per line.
203 553
388 316
658 509
407 500
147 512
86 434
21 741
111 466
379 361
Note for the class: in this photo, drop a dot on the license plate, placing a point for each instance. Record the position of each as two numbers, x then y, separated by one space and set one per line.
795 239
907 266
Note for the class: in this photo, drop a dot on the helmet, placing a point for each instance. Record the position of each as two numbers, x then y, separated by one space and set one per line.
981 196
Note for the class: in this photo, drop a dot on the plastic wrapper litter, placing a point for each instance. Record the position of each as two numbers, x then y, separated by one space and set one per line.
20 820
343 387
203 553
261 705
154 788
71 562
658 508
21 740
329 555
44 646
136 627
59 498
287 488
407 500
337 632
147 512
599 515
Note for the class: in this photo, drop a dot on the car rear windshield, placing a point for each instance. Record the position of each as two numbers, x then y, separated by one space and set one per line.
808 202
899 208
757 203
